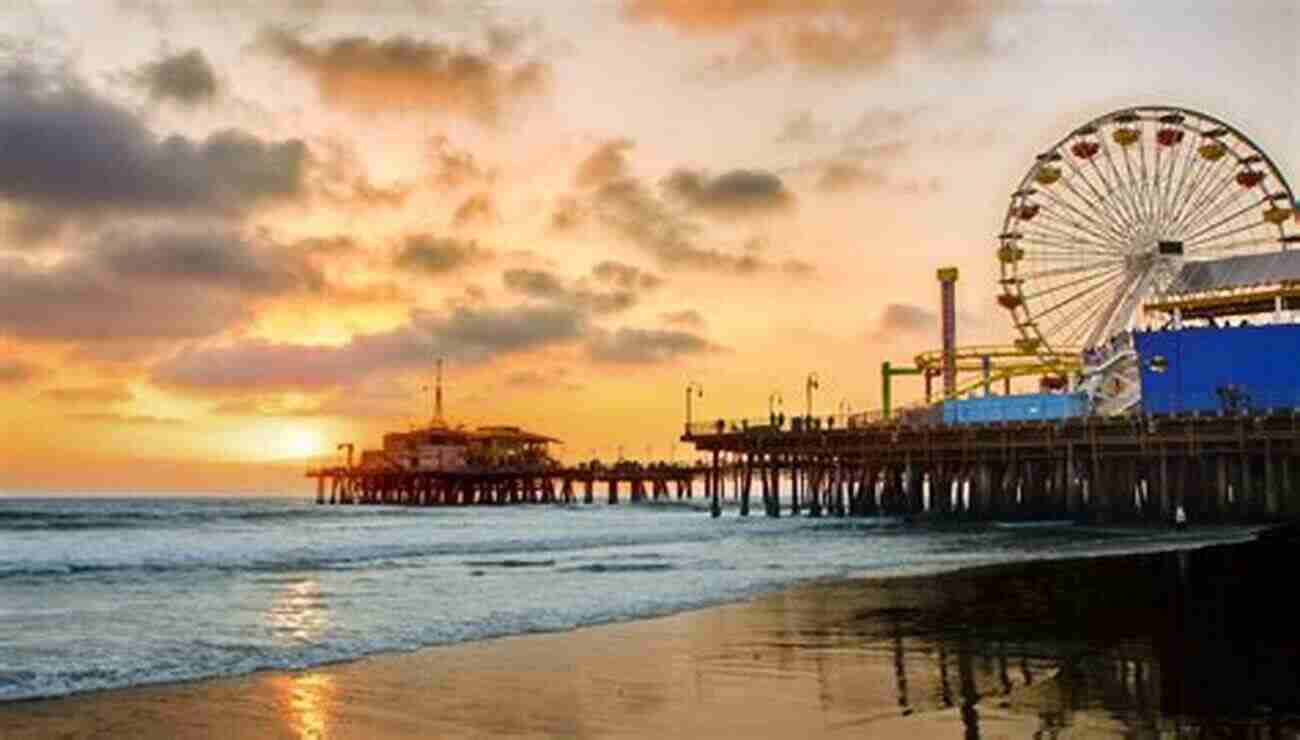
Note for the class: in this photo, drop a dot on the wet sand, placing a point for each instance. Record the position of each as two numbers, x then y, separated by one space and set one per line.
1194 642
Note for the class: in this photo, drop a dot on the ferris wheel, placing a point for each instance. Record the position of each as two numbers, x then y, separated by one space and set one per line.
1108 216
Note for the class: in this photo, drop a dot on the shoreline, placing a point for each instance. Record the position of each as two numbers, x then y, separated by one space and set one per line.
754 646
1240 534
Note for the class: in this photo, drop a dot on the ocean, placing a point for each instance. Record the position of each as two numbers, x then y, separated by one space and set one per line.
100 593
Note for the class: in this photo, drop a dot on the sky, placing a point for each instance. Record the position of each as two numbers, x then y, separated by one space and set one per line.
236 234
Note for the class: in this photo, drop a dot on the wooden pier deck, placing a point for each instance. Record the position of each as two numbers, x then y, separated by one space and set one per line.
502 486
1219 468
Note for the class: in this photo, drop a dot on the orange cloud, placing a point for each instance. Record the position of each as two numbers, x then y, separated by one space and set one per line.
361 73
830 34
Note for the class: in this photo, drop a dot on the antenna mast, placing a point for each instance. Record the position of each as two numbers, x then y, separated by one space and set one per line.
437 397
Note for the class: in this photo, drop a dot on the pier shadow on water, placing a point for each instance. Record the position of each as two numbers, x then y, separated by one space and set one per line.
1200 643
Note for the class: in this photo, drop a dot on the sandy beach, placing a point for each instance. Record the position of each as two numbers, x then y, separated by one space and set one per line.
1133 645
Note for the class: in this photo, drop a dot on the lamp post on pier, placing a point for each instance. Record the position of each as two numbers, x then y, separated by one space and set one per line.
809 386
774 402
697 390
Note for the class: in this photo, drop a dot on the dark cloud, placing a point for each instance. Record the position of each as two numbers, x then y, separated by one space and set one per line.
801 128
735 193
126 419
534 283
63 148
185 77
454 168
629 208
567 214
365 74
438 255
109 393
479 208
645 346
468 335
555 379
689 318
17 372
798 268
149 285
547 286
905 317
835 35
608 162
625 276
841 176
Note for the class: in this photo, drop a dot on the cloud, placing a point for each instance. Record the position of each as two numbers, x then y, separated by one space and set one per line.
126 419
630 209
17 372
735 193
800 128
360 73
545 285
608 162
340 178
689 318
798 268
108 393
455 168
556 379
645 346
479 208
625 276
438 255
567 214
834 35
468 335
149 285
534 283
906 317
842 176
185 77
63 148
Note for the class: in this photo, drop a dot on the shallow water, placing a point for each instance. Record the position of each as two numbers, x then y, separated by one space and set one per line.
106 593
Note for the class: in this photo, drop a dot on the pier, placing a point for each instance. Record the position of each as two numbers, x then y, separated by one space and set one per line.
503 486
1219 468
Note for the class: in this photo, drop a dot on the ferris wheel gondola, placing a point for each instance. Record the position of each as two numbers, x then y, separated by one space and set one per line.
1107 217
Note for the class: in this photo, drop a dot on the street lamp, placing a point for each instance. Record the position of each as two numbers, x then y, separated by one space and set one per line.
809 386
773 402
845 408
692 388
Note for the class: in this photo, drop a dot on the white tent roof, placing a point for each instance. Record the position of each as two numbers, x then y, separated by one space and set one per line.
1237 272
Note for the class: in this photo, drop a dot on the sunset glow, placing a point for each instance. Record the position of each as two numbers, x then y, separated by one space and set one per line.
234 235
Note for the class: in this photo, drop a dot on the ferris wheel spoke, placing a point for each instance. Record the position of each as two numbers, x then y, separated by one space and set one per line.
1129 218
1071 300
1199 240
1116 220
1071 231
1076 326
1102 238
1226 219
1073 326
1123 189
1085 280
1177 198
1203 182
1205 203
1169 188
1103 217
1135 185
1067 243
1060 271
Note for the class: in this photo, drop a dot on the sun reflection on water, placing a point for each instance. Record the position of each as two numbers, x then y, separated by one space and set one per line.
308 704
299 613
307 701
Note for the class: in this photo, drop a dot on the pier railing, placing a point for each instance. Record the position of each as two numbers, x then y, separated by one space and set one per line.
1227 401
